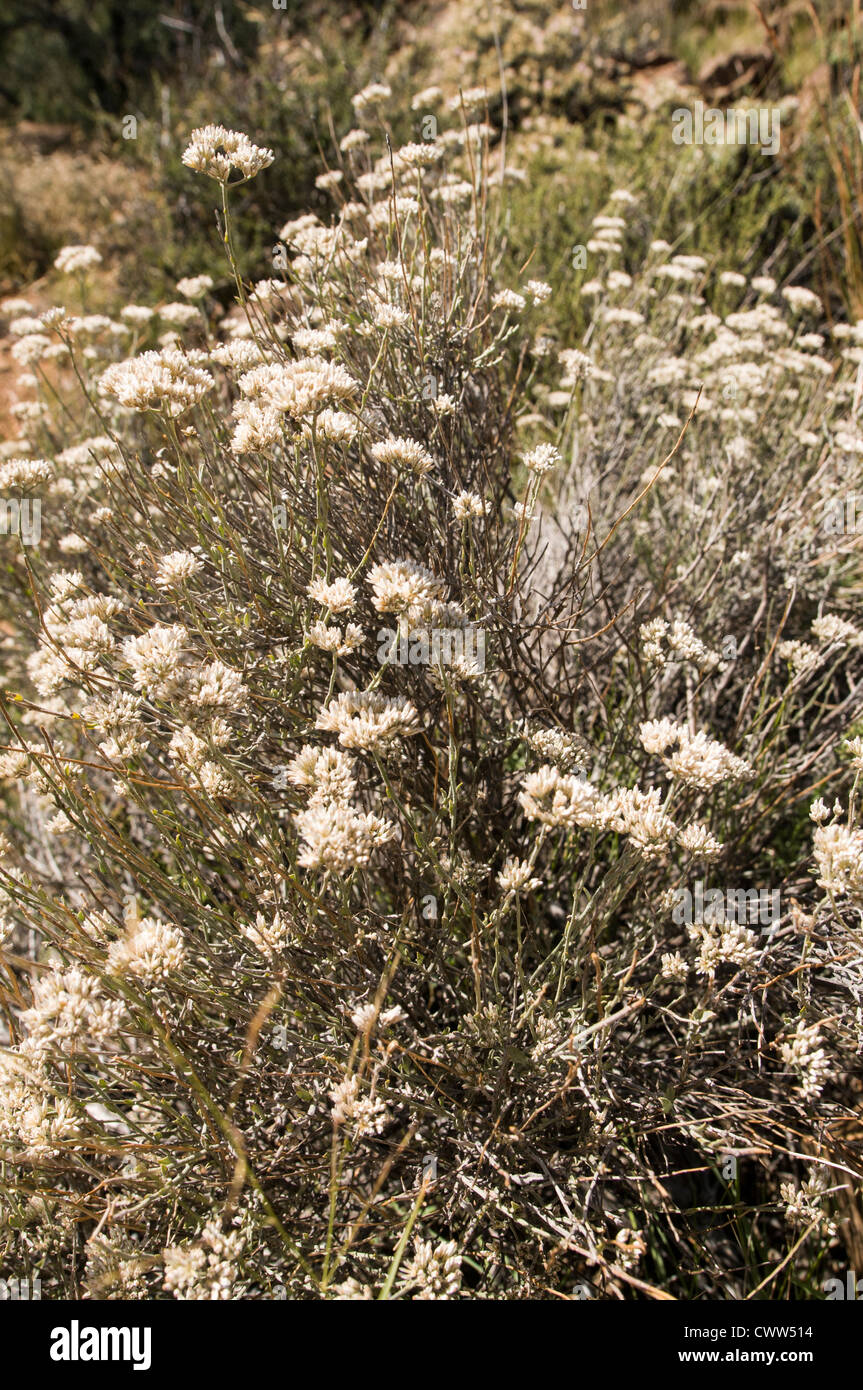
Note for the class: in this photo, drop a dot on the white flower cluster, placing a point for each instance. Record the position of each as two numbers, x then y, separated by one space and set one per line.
206 1270
335 835
516 876
69 1011
365 1113
176 568
698 761
403 453
74 260
149 950
32 1117
725 943
270 935
156 659
369 720
802 1053
219 152
805 1204
800 655
839 859
556 799
831 628
433 1271
683 642
554 745
170 379
405 588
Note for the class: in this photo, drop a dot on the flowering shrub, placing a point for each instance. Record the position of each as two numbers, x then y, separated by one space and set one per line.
328 975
